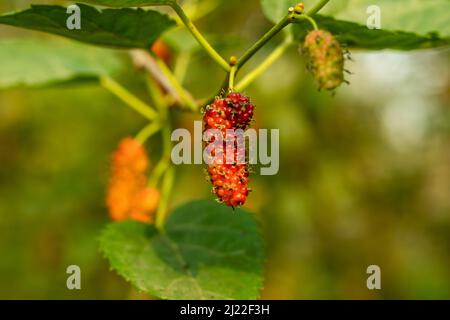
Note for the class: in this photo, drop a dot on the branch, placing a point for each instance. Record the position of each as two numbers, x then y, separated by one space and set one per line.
142 59
185 97
199 37
166 190
274 56
156 67
169 171
131 100
147 132
317 7
266 38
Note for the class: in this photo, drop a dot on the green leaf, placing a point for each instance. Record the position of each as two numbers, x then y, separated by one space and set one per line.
359 36
424 23
208 251
122 28
37 62
275 10
417 16
129 3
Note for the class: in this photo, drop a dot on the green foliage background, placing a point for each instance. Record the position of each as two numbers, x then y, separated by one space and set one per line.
364 176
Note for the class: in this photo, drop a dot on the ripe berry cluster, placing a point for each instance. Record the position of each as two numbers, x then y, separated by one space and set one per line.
325 59
229 180
128 195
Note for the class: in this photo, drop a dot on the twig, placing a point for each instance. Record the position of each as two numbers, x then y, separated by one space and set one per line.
128 98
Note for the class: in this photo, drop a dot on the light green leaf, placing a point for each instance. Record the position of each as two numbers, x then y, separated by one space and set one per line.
37 62
417 16
359 36
275 10
207 252
129 3
122 28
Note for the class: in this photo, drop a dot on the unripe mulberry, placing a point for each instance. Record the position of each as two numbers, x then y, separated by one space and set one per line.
128 196
229 180
324 59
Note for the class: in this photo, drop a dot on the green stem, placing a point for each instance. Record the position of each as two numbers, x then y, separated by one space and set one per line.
167 142
164 166
197 10
166 190
184 96
155 92
274 56
199 37
317 7
264 39
232 76
311 20
181 66
147 132
160 168
128 98
162 105
202 8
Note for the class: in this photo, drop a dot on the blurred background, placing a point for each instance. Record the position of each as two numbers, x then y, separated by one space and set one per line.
364 176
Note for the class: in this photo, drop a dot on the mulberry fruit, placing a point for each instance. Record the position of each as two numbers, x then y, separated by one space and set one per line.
128 196
144 202
161 49
324 59
229 180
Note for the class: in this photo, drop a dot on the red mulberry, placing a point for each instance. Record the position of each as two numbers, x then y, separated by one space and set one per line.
229 180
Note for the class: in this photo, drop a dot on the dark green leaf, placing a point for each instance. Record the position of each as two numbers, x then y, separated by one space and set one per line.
36 62
122 28
207 252
359 36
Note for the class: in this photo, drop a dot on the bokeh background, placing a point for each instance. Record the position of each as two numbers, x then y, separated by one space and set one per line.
364 176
